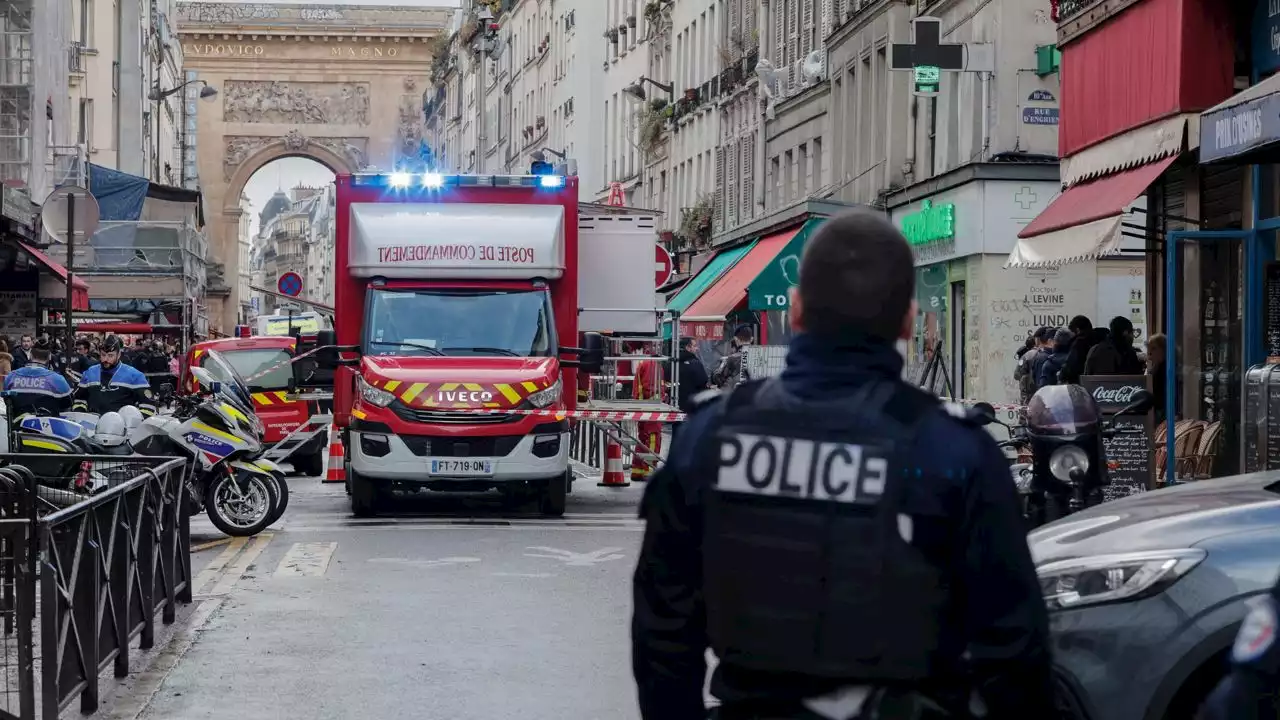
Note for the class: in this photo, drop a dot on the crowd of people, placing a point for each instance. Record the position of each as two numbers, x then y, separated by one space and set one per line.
1059 356
153 357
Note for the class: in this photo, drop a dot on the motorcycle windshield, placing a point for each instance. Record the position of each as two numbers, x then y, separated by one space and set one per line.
225 373
1062 410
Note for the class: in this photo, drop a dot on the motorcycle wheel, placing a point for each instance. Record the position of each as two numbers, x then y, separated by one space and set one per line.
241 508
282 495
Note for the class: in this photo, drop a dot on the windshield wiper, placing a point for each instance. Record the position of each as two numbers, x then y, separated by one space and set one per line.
494 350
428 348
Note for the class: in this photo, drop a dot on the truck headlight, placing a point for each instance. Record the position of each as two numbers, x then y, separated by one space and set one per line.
546 397
1113 578
376 397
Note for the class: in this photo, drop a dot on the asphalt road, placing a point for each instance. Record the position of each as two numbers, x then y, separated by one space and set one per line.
448 608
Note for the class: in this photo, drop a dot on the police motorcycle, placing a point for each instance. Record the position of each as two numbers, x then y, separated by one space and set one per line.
240 495
1065 429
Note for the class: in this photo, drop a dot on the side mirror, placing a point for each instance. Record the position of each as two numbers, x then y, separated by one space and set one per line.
984 413
1141 404
292 386
591 359
215 387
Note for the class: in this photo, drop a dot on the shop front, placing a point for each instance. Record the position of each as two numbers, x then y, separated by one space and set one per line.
974 313
33 285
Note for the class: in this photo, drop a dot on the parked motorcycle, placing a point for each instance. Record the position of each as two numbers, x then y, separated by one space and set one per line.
1065 430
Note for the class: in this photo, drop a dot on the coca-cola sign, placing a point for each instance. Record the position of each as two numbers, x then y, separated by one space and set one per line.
1116 395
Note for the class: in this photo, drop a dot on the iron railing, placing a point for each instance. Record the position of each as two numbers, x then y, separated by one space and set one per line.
80 583
1068 9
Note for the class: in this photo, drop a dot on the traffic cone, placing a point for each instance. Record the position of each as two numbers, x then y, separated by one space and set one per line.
337 458
613 473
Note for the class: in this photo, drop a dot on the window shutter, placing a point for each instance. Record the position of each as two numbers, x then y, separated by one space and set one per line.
734 23
827 21
731 182
807 29
748 175
778 8
717 211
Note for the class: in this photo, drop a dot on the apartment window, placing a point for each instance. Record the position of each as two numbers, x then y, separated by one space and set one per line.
774 181
86 23
933 135
817 164
85 134
804 180
788 177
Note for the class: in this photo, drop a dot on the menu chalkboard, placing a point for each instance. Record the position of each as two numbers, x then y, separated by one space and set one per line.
1271 311
1131 454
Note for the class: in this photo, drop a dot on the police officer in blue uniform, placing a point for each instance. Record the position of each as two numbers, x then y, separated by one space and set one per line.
111 384
35 388
1252 690
846 544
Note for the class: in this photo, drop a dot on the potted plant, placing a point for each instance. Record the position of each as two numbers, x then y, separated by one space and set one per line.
691 94
631 21
540 122
612 35
622 30
658 104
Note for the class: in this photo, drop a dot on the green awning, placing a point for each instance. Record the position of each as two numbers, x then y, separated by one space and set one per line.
699 283
771 288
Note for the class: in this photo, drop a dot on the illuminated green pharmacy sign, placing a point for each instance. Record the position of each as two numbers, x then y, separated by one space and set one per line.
933 223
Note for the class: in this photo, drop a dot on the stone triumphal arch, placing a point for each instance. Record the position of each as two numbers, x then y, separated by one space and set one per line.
340 84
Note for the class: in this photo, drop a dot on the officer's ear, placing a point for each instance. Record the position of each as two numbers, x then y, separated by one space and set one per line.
796 309
909 322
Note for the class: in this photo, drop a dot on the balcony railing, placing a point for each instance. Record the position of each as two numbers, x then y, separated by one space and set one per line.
68 165
75 58
1068 9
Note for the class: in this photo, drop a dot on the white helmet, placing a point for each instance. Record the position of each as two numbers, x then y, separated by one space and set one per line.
111 430
132 417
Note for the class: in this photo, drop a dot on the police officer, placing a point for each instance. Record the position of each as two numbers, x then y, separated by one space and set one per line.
847 545
1252 690
111 384
37 388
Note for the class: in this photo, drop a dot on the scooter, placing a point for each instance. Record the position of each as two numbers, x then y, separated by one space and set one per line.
1065 431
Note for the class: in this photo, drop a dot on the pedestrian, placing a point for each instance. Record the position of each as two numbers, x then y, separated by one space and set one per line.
730 370
1115 355
6 359
1025 373
21 354
693 374
1084 337
1051 367
1157 348
834 531
647 385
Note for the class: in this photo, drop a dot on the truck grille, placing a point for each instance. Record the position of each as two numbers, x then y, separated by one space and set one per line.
448 417
492 446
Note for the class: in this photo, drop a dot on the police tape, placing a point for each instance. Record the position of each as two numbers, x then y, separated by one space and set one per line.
279 365
580 414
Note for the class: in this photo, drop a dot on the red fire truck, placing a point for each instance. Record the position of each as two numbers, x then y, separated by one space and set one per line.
461 303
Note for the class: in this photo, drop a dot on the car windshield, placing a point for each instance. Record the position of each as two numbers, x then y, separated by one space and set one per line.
249 363
513 323
305 324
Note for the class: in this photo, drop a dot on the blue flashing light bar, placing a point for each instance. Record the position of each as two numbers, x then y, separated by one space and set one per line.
437 181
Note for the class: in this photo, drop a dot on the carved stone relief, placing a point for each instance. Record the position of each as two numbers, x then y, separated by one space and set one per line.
353 150
237 149
295 141
215 12
295 103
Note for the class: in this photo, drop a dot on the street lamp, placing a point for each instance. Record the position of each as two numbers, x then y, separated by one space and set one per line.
636 92
208 92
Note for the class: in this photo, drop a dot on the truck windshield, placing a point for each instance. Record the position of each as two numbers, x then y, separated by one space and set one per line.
249 363
513 323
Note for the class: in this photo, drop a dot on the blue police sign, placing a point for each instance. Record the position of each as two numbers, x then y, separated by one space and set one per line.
290 284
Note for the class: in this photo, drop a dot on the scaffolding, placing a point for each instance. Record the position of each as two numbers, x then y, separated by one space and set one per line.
16 92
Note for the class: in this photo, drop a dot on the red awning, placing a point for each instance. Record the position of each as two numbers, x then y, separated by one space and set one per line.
80 289
730 290
117 328
1084 222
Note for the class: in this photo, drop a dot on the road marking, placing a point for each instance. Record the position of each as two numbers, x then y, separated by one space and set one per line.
568 557
438 527
411 562
306 560
225 575
210 545
523 575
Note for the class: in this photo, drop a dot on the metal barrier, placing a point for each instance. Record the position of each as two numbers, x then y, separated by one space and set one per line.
79 583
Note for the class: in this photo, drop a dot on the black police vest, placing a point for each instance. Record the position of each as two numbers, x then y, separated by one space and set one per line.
804 564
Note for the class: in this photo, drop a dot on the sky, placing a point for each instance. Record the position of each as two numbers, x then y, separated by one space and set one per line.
283 174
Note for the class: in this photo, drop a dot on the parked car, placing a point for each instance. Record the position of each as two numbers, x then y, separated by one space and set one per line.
1146 593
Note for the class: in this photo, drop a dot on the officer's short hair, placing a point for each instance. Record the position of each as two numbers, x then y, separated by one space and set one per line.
40 354
857 277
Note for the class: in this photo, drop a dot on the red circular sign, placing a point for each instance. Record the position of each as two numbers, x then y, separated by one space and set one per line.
664 268
290 284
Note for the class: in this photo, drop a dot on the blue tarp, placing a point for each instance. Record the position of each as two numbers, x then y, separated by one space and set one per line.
119 195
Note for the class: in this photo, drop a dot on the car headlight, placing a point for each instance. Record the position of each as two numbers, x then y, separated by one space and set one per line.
1068 458
372 395
1113 578
546 397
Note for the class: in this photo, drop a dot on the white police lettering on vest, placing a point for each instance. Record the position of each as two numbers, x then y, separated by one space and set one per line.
799 468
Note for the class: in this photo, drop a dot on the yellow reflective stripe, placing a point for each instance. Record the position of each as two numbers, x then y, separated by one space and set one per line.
196 355
391 385
413 392
530 386
473 387
43 445
510 394
282 395
447 387
233 412
360 414
204 427
262 399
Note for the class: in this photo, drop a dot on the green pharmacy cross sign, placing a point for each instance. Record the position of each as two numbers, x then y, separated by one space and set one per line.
932 224
927 79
